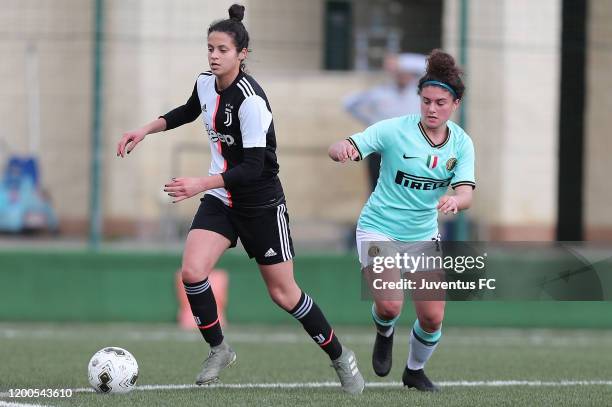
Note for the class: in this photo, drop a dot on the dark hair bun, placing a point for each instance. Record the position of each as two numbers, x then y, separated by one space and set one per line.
236 12
441 65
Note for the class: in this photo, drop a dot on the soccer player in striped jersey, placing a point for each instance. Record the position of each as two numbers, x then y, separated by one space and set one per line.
243 198
421 156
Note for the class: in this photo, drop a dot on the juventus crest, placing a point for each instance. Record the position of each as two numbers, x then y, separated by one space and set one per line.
228 115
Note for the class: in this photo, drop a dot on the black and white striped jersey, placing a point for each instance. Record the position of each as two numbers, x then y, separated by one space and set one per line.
239 127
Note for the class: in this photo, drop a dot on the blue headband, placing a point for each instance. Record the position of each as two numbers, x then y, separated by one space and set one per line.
442 85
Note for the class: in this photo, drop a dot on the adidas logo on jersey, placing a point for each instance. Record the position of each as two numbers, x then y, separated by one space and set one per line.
270 253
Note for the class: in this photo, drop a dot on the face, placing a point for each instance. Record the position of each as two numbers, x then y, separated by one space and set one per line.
223 57
437 106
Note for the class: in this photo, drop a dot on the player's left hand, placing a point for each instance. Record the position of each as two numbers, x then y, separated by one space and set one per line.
183 188
448 203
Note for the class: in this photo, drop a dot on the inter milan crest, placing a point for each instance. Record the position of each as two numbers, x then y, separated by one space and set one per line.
228 115
451 163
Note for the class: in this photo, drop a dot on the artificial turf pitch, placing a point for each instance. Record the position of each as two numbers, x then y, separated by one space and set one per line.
281 366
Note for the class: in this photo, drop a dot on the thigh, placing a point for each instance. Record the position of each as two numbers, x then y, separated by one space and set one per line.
213 215
368 246
203 249
382 283
265 234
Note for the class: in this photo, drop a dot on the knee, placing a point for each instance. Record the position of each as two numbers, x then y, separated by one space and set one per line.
388 309
281 297
431 322
285 295
191 274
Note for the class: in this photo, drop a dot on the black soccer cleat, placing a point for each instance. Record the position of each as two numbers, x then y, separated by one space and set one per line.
382 354
418 380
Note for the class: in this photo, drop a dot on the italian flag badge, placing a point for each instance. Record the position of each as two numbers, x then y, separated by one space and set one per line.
432 161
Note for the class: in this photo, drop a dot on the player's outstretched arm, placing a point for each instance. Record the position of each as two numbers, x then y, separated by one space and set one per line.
343 151
130 139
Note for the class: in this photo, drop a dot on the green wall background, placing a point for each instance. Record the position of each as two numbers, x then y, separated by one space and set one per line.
122 286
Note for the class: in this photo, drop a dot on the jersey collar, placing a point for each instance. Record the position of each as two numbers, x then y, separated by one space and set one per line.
238 77
431 143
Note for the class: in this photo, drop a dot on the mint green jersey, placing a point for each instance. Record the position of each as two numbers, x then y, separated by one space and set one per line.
414 174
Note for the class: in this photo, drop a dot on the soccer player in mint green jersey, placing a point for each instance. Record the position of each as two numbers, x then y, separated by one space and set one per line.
422 156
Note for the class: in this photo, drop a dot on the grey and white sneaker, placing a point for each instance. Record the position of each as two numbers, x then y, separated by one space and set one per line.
350 377
219 357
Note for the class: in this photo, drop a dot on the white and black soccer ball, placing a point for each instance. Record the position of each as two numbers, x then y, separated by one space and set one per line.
112 370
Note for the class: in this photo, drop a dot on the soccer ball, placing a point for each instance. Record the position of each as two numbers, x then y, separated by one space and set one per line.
112 370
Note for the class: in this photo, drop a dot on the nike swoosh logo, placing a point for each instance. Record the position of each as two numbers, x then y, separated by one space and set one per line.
407 158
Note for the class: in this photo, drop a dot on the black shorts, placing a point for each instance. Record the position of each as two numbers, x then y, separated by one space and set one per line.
264 232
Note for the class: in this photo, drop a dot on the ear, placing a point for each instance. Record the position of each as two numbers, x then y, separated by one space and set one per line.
456 104
242 54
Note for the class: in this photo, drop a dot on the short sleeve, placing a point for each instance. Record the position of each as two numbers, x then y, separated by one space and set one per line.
368 141
464 174
255 119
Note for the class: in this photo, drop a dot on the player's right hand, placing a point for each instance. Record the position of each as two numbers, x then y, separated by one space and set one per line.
128 141
343 151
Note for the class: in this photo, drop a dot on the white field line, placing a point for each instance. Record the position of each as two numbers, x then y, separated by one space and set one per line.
501 338
315 385
12 404
488 383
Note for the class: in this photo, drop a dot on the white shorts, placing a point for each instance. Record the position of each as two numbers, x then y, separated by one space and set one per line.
366 248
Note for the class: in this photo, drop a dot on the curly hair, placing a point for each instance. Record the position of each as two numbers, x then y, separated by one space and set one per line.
441 67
